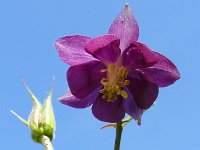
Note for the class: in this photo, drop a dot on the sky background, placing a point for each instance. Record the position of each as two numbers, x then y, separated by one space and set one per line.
28 30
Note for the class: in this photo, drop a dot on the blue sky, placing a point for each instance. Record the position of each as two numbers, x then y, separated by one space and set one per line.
27 32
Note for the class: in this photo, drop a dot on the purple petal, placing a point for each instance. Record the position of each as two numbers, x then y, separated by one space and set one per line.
138 55
125 27
144 92
163 73
85 78
131 107
104 48
108 111
71 49
71 100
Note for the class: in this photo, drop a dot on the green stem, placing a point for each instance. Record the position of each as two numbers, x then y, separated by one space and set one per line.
45 141
119 130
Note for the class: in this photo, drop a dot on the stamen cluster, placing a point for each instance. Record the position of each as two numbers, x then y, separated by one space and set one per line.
114 83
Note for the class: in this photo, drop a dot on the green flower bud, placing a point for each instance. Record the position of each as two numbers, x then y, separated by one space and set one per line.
41 120
48 117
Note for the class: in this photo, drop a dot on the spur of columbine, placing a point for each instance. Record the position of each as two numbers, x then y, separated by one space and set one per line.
114 73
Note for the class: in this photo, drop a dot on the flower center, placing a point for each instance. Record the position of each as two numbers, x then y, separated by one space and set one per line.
114 83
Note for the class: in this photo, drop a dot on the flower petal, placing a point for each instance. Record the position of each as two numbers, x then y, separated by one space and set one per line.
71 100
138 55
84 78
71 49
163 73
144 92
125 27
108 111
131 107
104 48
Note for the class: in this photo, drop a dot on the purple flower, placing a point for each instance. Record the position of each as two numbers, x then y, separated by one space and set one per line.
114 73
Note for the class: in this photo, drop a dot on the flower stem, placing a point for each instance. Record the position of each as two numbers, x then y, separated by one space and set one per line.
45 141
119 130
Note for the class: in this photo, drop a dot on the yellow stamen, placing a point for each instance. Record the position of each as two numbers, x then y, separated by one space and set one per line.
103 70
114 83
111 68
124 94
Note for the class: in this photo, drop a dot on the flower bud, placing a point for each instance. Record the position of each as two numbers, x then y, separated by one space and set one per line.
41 120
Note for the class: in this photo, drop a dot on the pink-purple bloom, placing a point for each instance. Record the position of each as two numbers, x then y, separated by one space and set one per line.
114 72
